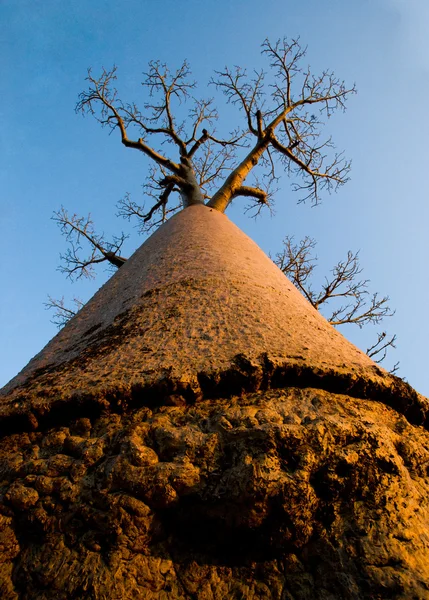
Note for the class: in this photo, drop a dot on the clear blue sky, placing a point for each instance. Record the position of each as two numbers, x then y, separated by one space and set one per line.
53 157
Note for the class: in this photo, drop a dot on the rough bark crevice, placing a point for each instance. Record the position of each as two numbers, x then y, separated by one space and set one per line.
29 413
295 493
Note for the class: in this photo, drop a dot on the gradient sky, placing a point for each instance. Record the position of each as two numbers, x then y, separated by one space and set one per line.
53 157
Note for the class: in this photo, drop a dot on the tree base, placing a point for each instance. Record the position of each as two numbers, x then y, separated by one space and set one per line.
285 494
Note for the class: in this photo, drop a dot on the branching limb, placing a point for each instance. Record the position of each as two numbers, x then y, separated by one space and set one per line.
280 120
361 311
127 208
62 313
211 165
160 79
239 90
101 101
81 229
159 210
245 190
378 351
201 140
260 197
298 262
311 168
343 284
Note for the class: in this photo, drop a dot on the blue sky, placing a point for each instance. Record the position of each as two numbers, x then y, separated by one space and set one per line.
53 157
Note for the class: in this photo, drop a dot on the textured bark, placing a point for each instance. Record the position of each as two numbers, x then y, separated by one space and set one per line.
197 294
296 494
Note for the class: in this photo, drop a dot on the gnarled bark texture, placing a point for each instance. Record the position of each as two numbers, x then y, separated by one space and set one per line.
282 494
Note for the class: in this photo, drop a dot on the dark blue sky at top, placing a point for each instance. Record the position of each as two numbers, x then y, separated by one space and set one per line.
53 157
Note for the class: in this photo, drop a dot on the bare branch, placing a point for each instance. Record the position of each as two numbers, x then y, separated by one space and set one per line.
298 262
245 190
158 211
241 91
62 314
160 80
360 311
276 118
281 120
311 166
378 351
203 138
101 101
212 164
81 229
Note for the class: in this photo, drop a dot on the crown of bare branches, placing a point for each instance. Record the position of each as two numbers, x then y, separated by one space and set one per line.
281 126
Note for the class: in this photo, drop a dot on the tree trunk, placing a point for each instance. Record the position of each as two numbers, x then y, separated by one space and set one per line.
190 192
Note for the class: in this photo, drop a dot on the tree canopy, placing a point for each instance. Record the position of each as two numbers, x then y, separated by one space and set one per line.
278 123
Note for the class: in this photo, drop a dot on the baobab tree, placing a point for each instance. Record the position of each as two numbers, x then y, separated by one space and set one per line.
280 128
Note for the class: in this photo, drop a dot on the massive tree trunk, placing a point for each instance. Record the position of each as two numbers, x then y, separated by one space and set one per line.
199 431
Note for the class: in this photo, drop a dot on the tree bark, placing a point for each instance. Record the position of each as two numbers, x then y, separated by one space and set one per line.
225 194
190 191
